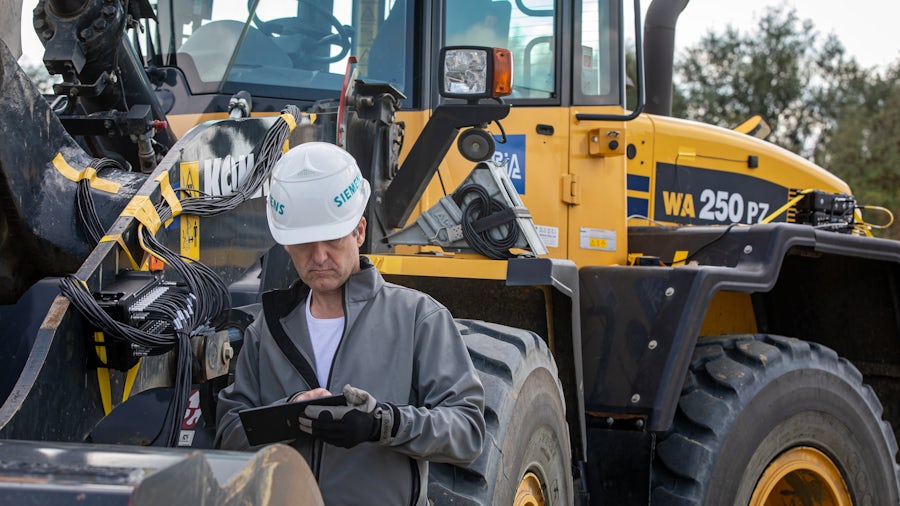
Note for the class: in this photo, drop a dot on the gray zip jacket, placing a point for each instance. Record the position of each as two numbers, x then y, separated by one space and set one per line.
398 344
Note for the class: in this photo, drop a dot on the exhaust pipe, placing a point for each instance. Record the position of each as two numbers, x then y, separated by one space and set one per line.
659 53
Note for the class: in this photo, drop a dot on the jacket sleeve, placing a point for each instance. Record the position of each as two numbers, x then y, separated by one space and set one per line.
447 424
242 394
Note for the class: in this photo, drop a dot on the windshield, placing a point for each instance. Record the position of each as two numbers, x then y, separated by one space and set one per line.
273 47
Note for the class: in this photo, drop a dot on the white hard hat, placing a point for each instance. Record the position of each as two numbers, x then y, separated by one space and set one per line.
317 193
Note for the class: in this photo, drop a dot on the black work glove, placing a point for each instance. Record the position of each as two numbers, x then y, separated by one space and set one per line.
359 421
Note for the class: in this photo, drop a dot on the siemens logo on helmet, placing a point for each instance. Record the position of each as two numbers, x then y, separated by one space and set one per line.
348 192
278 207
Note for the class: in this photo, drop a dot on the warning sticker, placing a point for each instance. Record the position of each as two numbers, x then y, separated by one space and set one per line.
602 240
550 235
186 438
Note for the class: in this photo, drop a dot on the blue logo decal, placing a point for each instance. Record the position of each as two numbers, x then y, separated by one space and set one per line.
348 192
513 154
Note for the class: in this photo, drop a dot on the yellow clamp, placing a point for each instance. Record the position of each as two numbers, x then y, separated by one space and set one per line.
292 124
290 120
141 208
88 173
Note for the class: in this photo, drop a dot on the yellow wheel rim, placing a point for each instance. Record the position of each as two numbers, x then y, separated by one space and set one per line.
803 476
529 492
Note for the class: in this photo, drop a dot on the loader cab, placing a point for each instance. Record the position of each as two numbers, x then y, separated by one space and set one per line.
568 59
294 51
297 50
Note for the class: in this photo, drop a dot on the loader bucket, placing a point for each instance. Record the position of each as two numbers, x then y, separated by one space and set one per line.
66 473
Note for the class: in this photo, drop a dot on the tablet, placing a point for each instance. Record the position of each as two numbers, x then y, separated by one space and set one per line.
271 424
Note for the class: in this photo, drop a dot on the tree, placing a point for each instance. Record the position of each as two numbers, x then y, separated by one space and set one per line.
820 103
785 71
864 147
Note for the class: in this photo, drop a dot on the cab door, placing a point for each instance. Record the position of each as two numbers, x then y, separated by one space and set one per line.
609 160
536 132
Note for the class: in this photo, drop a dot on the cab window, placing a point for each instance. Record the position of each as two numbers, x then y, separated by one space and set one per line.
526 27
596 73
286 48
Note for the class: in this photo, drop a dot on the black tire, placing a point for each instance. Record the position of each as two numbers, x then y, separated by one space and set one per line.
526 423
749 399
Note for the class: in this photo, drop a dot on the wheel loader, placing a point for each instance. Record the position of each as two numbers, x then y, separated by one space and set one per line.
661 312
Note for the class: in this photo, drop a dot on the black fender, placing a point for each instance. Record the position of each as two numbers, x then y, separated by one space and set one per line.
640 323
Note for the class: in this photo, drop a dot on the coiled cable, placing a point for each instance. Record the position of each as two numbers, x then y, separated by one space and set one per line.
479 206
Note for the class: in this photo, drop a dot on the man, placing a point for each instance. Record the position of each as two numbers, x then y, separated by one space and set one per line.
412 392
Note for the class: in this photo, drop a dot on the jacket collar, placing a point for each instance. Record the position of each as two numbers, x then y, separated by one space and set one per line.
364 283
361 286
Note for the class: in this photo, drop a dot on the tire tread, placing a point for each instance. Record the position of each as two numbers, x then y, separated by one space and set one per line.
504 358
724 374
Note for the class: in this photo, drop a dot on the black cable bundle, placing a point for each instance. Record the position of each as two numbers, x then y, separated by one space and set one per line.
481 206
266 154
167 313
84 202
197 307
181 395
87 213
210 296
85 303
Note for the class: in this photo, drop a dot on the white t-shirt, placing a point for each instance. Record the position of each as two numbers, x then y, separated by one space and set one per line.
325 334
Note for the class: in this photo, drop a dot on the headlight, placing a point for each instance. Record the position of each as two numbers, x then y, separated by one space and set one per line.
473 72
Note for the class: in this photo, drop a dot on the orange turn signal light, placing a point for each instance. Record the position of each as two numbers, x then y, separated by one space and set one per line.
503 71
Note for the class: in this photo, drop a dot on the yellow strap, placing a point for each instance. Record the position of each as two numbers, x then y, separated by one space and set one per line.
165 189
88 173
118 239
141 208
103 374
290 120
292 124
105 393
785 207
129 381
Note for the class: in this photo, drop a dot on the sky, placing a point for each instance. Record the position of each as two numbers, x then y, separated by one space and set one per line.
867 28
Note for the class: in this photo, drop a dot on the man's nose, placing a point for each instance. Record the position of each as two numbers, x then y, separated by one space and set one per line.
319 252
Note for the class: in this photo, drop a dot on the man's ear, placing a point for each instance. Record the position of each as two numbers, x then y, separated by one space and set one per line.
361 232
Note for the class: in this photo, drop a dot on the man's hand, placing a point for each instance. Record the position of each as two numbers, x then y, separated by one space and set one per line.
310 394
359 421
